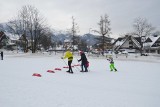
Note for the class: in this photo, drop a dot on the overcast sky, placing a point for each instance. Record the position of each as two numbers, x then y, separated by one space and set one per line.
87 12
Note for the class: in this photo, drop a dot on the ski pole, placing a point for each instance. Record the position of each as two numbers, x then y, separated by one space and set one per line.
77 68
64 62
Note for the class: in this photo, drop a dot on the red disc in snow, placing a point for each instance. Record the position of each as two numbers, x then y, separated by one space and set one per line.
50 71
37 75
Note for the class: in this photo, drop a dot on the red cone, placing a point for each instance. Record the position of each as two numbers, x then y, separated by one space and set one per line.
50 71
37 75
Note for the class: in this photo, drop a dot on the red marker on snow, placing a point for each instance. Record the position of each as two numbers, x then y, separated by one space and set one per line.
50 71
37 75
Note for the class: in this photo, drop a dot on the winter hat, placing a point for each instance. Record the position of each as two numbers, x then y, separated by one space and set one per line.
81 52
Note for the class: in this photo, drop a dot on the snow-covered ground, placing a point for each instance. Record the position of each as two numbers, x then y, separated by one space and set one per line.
136 84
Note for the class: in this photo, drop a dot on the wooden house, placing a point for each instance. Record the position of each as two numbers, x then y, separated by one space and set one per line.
128 43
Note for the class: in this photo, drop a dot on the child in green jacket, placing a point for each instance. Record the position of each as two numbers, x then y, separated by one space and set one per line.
110 59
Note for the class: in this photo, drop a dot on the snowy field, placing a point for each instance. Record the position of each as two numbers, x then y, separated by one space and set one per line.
136 84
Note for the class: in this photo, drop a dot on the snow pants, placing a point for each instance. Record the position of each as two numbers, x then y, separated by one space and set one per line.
69 64
85 67
112 67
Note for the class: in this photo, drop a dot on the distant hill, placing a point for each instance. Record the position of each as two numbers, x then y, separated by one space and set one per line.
59 35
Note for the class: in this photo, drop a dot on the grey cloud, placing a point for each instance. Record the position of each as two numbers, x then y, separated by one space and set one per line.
88 12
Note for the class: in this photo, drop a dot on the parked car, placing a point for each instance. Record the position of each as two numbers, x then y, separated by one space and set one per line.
144 54
124 52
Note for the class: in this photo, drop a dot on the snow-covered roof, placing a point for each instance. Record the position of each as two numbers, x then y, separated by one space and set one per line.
154 39
119 41
12 36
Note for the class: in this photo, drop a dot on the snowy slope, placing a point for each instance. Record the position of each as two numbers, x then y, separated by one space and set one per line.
136 84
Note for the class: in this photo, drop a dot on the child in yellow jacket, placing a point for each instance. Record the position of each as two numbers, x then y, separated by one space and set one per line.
69 55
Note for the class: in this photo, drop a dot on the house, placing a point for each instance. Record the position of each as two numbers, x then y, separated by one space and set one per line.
3 39
131 44
8 40
128 43
67 43
152 44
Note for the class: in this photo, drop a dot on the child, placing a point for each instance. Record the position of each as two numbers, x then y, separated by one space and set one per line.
110 59
69 55
84 62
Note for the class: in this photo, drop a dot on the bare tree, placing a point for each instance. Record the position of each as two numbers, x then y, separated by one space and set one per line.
34 24
142 29
156 33
45 38
104 29
74 31
15 27
30 23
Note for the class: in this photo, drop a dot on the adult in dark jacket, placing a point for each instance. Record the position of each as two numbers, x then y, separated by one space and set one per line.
83 61
2 55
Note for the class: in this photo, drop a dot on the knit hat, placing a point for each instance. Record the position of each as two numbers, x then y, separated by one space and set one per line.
81 52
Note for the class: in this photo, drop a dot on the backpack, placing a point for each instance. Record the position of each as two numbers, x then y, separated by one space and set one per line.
87 64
